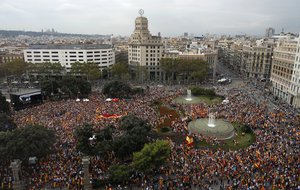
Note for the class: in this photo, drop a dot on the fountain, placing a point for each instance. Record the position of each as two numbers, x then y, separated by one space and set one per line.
211 120
187 99
188 95
212 127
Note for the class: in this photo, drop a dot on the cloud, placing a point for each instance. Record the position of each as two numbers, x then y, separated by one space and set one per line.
170 17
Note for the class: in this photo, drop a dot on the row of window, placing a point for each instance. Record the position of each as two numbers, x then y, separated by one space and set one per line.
66 52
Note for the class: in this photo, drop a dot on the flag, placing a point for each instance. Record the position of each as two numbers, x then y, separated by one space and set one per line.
189 140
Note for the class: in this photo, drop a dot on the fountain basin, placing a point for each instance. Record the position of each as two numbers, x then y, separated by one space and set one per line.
186 100
221 130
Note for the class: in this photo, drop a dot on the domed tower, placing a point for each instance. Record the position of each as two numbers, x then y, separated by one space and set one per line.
141 26
144 51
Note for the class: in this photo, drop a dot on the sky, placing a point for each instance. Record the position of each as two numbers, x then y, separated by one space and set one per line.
169 17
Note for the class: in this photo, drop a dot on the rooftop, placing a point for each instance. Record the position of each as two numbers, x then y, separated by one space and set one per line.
71 46
26 91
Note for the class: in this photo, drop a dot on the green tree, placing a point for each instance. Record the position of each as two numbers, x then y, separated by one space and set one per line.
120 70
152 156
169 65
4 105
30 141
5 137
79 86
16 67
134 138
83 134
90 70
46 69
117 89
104 141
141 73
187 70
6 123
119 174
50 86
134 125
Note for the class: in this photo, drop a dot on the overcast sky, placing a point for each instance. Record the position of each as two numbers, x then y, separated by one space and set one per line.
170 17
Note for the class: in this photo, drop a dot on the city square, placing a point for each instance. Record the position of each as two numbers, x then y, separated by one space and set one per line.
153 112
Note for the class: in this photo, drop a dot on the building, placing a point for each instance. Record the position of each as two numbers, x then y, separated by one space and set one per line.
257 60
283 68
269 32
121 54
295 83
103 55
145 50
6 58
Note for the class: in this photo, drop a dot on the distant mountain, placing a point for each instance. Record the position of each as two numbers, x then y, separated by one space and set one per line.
14 33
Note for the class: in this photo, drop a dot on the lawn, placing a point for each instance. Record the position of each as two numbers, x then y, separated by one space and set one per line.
210 100
243 140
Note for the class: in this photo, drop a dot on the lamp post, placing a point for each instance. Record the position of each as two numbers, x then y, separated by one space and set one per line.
16 169
86 180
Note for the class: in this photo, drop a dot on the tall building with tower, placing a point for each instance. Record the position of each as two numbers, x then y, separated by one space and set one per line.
270 32
144 51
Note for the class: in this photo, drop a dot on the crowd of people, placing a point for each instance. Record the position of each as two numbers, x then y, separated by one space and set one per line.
271 162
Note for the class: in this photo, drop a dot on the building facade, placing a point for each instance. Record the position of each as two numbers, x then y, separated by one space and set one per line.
257 60
145 50
6 58
283 67
295 83
103 55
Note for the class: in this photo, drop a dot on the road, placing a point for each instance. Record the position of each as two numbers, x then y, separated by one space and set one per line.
254 88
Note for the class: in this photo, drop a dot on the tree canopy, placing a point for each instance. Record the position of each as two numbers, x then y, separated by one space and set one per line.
134 138
90 70
6 123
119 173
4 105
15 67
181 69
46 68
152 156
79 86
82 134
134 134
30 141
117 89
120 71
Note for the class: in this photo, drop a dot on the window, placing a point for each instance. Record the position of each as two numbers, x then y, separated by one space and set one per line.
36 52
54 52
